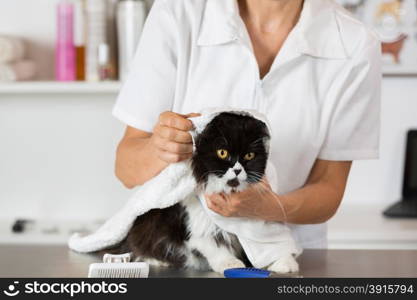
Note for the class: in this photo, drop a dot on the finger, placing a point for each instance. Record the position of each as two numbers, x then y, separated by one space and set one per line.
174 120
218 200
172 147
264 186
234 202
179 148
265 182
192 115
216 208
173 134
231 200
172 157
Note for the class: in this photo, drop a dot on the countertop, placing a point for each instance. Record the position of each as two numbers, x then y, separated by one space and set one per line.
365 227
58 261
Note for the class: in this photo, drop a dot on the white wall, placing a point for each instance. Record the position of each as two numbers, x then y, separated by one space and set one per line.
381 181
57 156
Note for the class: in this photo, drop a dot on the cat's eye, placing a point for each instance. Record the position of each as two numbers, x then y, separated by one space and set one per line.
249 156
222 153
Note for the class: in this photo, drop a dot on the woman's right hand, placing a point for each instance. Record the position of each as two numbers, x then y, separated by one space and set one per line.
171 138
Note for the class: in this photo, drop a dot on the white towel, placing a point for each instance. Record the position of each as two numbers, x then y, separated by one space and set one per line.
263 242
17 71
11 49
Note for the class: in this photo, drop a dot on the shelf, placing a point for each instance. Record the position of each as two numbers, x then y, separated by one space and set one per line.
51 87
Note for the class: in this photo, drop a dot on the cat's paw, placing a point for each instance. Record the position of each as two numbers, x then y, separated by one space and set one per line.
227 264
286 264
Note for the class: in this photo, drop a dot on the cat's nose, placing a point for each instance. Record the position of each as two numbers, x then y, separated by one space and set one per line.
237 171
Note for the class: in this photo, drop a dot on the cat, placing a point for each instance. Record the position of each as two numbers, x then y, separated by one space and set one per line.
230 154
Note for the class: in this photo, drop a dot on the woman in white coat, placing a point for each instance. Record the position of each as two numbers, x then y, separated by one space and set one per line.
309 66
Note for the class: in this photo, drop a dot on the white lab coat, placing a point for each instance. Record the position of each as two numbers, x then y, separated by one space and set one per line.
321 96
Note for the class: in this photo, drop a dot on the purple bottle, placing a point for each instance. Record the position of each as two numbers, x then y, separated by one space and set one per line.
65 65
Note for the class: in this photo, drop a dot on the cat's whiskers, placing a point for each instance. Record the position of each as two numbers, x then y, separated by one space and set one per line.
256 172
214 172
261 187
257 176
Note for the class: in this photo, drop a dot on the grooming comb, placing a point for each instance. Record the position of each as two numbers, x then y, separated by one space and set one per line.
118 266
246 273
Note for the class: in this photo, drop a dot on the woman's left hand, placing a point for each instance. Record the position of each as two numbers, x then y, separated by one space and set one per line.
258 201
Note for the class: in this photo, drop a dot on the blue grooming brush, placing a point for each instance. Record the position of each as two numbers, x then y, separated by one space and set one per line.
246 273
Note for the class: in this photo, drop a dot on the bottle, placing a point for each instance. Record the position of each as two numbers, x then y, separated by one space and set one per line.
131 15
112 37
104 65
79 39
65 50
96 35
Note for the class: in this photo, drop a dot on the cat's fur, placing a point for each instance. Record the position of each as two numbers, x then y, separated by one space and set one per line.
183 235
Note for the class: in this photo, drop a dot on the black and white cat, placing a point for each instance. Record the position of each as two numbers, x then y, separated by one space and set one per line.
230 154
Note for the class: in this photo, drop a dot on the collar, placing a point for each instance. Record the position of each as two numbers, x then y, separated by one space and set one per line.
317 33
